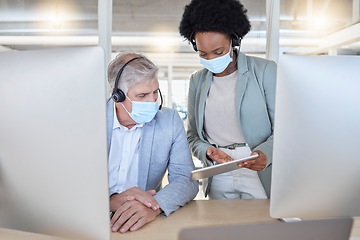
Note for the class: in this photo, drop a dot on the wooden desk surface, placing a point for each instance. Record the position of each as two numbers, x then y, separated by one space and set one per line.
195 214
9 234
202 213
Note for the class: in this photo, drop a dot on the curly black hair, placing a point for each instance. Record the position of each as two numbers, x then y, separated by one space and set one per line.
224 16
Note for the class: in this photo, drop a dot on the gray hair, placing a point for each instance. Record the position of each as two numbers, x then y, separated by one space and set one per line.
137 71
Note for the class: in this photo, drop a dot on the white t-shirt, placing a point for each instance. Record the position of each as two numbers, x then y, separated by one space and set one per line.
221 121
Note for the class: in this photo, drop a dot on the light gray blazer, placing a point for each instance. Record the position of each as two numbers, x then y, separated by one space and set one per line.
163 145
255 100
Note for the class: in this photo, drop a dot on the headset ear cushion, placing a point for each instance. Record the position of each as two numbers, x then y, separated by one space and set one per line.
194 46
235 42
118 96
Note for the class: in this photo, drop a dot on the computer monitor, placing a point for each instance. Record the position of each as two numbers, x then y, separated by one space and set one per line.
318 229
316 165
53 154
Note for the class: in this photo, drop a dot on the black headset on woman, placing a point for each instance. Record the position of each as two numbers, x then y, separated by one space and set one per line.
118 95
235 41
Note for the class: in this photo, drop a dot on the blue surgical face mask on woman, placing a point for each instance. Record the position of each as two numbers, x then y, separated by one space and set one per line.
142 112
219 64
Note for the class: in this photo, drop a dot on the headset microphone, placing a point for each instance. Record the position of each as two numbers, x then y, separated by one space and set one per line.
161 100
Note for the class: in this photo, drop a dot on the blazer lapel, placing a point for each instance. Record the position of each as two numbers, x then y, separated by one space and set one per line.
145 153
109 121
241 82
204 91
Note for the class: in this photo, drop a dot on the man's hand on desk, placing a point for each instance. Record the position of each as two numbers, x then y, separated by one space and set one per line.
256 164
133 209
132 215
145 197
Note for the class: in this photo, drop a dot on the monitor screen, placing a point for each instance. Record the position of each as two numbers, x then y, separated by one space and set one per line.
316 165
53 154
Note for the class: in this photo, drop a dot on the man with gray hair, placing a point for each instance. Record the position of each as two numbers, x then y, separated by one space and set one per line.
144 142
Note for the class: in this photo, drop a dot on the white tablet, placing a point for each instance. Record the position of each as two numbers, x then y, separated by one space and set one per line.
219 168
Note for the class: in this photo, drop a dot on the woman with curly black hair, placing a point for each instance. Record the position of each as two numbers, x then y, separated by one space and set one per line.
231 100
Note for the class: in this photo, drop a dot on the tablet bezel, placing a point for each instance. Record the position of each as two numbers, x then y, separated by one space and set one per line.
219 168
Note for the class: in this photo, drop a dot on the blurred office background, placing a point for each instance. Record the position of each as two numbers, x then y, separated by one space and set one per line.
329 27
321 27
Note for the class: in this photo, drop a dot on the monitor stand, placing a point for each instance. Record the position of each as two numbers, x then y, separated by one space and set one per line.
290 219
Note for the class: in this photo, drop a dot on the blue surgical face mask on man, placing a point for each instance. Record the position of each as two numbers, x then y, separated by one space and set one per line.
142 112
219 64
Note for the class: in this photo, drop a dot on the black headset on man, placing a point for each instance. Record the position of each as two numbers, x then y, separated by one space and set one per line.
118 95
